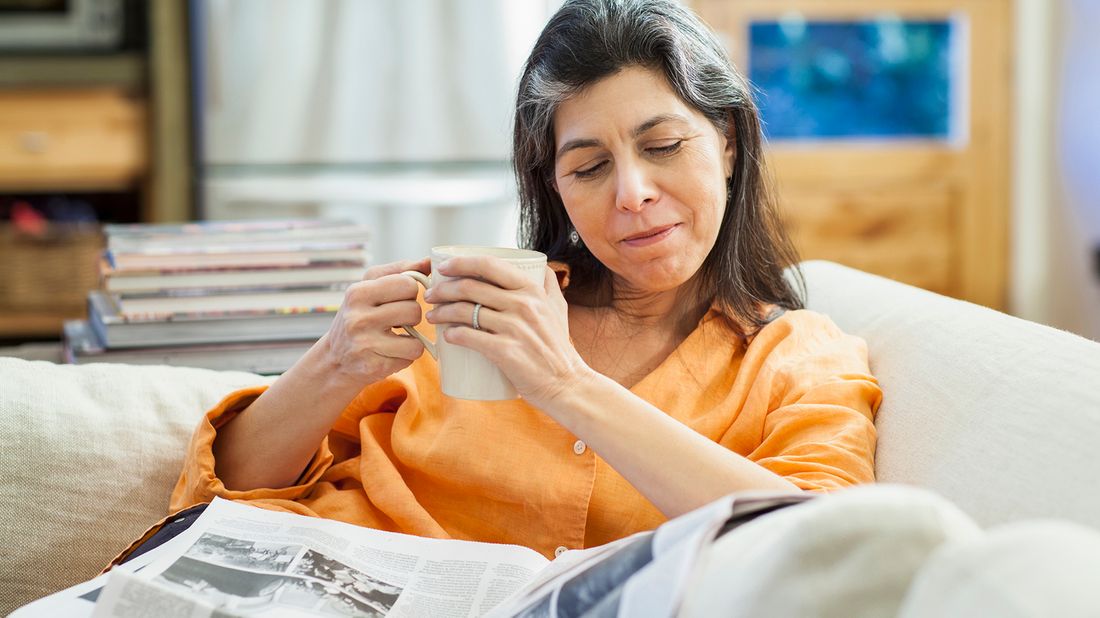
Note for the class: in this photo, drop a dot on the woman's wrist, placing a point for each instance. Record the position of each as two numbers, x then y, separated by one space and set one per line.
274 439
566 403
326 371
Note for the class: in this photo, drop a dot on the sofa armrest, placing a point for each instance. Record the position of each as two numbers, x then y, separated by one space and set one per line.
998 414
89 455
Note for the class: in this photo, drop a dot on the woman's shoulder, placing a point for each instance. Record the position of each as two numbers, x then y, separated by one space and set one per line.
798 320
777 322
804 332
803 348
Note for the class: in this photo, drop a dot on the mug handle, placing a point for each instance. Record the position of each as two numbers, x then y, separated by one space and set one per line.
423 280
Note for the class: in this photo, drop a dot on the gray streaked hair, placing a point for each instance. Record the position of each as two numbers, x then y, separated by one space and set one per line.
588 40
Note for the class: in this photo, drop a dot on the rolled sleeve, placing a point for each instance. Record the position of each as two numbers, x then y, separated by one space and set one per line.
818 431
198 481
824 446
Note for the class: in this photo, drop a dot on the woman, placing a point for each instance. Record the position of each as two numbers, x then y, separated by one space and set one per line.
663 363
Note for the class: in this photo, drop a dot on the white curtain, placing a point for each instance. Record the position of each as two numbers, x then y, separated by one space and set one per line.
350 81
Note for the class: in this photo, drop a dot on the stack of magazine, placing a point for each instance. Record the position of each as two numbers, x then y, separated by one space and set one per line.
248 295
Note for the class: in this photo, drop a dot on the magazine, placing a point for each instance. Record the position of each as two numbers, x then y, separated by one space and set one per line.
80 346
114 330
157 237
240 560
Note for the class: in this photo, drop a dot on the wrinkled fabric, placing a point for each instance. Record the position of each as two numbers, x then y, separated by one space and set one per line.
798 399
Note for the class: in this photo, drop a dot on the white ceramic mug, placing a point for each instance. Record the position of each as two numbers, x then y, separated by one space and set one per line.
464 373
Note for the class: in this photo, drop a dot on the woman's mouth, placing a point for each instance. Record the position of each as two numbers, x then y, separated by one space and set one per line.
650 236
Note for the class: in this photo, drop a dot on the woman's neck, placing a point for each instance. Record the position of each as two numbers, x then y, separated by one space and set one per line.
675 311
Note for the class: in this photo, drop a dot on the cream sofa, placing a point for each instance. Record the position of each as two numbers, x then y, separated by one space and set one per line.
998 415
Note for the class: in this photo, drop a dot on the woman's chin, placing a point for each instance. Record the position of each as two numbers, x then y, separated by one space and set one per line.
657 279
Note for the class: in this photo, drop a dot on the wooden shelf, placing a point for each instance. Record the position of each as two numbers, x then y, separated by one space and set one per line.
123 70
50 351
46 323
113 122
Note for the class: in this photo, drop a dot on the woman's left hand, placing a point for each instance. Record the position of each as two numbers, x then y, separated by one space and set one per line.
524 326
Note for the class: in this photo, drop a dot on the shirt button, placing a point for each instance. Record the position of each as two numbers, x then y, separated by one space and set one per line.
579 447
560 550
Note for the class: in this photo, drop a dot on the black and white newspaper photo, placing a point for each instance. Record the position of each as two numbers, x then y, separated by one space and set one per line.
236 574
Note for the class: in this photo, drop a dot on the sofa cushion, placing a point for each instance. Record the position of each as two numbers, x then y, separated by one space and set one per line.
89 456
998 414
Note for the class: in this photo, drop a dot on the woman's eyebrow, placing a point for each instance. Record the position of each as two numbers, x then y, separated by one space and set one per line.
574 144
656 120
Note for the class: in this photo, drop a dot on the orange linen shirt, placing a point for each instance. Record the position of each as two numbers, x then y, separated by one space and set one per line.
798 400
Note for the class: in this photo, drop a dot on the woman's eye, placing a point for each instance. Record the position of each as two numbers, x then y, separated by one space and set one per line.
589 172
667 149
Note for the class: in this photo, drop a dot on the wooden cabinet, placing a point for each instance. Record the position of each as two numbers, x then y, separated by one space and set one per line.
908 235
61 141
71 140
103 124
929 212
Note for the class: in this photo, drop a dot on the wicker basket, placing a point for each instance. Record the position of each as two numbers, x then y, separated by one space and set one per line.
53 271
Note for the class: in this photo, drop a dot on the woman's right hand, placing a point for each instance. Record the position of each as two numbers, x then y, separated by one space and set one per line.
361 343
270 443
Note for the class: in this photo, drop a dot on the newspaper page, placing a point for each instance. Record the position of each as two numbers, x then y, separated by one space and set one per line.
239 560
642 575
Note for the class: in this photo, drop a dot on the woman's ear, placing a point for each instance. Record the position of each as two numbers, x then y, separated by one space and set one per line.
552 181
730 152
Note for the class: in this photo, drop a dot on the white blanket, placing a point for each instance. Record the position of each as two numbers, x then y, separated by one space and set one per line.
895 551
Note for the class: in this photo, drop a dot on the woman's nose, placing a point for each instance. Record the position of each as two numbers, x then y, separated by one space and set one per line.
635 189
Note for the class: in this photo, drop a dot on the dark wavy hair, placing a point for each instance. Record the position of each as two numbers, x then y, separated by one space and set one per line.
588 40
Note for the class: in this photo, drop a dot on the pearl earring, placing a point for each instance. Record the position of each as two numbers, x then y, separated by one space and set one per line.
575 238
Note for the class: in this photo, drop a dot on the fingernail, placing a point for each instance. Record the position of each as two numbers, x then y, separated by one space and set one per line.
428 294
445 265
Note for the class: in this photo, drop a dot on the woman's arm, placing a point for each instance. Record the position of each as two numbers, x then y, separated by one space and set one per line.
810 408
270 443
274 438
674 467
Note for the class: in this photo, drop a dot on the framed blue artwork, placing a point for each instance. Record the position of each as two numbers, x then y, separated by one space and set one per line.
880 78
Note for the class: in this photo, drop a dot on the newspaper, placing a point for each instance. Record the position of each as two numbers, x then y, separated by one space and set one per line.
239 560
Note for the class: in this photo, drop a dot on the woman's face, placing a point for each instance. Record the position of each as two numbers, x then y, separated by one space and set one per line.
643 178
